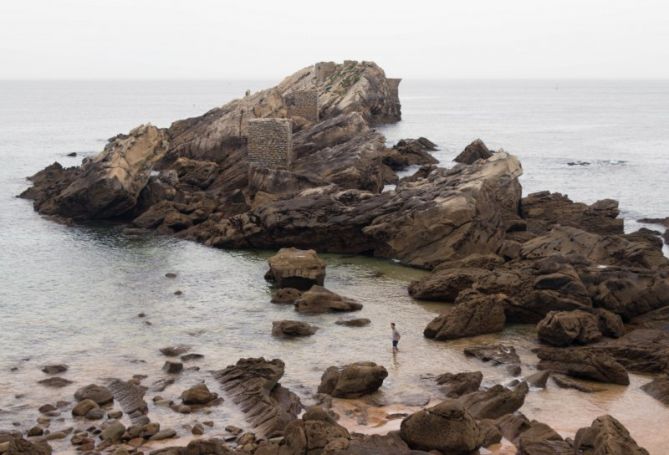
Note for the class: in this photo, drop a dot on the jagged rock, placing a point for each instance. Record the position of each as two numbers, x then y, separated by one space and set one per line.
359 444
610 324
474 314
497 354
198 394
101 395
130 398
562 328
495 401
658 388
410 152
475 151
446 284
321 300
583 363
286 295
454 385
293 268
606 436
109 184
253 384
360 322
489 433
512 425
446 427
641 350
292 329
353 380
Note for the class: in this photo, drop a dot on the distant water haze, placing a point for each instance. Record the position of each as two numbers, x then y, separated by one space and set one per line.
72 294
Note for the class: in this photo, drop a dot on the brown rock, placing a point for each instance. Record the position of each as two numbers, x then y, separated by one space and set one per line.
475 151
99 394
455 385
293 268
292 329
285 295
321 300
606 436
353 380
198 394
562 328
495 401
583 363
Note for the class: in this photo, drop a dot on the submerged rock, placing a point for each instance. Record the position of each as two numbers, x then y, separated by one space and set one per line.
298 269
658 388
495 401
292 329
360 322
497 354
353 380
321 300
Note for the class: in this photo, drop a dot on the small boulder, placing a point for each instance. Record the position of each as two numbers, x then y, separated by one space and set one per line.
101 395
113 432
353 380
173 367
56 382
198 394
446 427
84 407
293 268
658 388
538 379
292 329
320 300
174 351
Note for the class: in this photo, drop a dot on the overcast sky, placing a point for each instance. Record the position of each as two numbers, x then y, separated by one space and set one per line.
258 39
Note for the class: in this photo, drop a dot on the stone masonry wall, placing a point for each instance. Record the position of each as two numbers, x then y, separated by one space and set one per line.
323 70
394 86
303 103
270 142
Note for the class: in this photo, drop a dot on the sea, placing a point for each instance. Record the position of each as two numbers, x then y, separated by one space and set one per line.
72 294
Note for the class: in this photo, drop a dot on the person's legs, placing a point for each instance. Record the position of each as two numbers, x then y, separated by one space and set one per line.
395 343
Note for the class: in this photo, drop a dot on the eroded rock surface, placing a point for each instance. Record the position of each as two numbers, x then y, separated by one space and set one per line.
352 381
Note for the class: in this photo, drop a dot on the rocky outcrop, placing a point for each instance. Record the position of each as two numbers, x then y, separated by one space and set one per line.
495 401
606 436
108 185
454 385
16 445
320 300
540 439
130 397
474 314
292 329
446 427
352 381
298 269
583 363
641 350
563 328
316 432
475 151
253 385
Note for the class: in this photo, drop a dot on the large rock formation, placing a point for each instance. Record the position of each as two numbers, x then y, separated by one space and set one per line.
583 363
606 436
253 384
562 328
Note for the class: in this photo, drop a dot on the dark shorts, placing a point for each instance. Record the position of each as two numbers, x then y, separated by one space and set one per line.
395 343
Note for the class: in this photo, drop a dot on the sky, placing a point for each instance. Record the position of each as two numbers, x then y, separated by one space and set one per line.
258 39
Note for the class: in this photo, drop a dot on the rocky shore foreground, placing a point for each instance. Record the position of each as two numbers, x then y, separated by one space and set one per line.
599 298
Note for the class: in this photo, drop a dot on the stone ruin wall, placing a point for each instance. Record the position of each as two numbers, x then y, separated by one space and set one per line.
303 103
270 142
394 86
324 70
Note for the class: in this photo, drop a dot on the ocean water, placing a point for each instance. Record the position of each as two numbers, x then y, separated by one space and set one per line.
72 294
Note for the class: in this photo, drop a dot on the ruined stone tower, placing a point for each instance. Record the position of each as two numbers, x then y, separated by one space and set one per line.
303 103
270 142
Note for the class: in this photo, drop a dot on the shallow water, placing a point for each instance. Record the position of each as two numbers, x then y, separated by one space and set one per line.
72 294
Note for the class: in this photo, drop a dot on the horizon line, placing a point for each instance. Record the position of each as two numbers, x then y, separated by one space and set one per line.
217 79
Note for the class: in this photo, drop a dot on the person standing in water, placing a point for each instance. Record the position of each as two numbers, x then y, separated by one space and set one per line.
396 337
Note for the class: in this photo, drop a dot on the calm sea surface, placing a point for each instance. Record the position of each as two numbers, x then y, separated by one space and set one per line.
72 294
